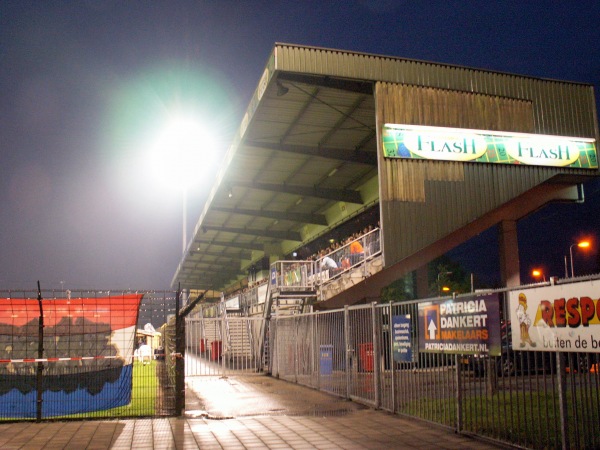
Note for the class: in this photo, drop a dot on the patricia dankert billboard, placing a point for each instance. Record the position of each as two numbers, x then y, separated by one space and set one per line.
466 325
557 318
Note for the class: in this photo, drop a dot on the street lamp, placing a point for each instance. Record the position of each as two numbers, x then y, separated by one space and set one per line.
537 273
445 288
581 244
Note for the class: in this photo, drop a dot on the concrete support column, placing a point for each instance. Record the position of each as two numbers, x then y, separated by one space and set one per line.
422 282
509 254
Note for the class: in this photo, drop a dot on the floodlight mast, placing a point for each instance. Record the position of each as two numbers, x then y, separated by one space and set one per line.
184 221
178 156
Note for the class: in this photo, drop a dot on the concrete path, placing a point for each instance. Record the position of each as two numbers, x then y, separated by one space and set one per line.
255 412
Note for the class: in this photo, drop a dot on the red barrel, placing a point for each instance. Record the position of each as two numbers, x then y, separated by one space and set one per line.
365 354
202 345
215 353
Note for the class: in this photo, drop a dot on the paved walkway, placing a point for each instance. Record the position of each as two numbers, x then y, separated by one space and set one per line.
244 413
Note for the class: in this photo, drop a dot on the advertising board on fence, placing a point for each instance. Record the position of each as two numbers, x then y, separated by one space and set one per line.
401 333
557 318
469 325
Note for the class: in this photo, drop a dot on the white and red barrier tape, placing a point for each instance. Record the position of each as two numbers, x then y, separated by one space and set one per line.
74 358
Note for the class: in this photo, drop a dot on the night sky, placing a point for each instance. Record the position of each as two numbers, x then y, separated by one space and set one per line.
86 85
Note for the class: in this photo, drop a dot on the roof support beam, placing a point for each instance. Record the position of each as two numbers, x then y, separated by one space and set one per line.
317 219
202 275
195 282
221 255
338 154
312 95
347 115
273 234
243 245
218 270
360 87
205 274
341 195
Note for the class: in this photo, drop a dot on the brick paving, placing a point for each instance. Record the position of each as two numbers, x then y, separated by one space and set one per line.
356 428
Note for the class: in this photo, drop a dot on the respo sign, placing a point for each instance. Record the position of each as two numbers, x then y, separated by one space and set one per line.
457 144
563 317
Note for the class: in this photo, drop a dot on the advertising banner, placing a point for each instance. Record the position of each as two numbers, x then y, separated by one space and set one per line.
469 325
557 318
401 333
458 144
87 358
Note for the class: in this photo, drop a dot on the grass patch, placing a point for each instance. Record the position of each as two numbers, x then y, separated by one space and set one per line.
143 395
526 418
143 398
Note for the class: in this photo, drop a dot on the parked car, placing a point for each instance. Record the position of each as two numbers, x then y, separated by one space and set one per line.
582 363
511 361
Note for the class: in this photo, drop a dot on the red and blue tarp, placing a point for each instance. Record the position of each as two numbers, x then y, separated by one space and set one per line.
86 365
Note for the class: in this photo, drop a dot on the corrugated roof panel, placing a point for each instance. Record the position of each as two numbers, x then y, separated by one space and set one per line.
400 70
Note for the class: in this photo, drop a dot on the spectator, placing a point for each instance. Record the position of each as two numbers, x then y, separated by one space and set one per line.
327 264
356 252
145 354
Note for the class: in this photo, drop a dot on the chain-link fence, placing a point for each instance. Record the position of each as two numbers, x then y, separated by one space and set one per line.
84 354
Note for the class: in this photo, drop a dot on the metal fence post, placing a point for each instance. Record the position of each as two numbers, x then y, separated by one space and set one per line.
390 343
276 344
348 349
179 358
316 353
562 398
459 409
296 362
376 354
223 336
39 383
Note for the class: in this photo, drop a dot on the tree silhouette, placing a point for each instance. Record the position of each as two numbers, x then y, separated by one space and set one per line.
445 272
399 290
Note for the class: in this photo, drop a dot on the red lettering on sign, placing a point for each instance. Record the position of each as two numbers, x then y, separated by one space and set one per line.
574 312
587 310
547 312
560 312
572 308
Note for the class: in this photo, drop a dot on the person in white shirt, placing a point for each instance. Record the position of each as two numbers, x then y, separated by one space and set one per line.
145 354
327 263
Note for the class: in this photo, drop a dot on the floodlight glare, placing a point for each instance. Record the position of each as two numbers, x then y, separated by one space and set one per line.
182 155
183 151
538 273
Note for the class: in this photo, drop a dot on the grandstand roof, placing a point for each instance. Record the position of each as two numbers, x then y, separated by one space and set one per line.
302 164
304 159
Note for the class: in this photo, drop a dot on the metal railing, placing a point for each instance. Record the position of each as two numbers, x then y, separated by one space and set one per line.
353 254
523 397
311 275
222 346
293 275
